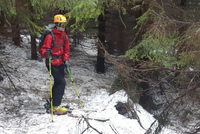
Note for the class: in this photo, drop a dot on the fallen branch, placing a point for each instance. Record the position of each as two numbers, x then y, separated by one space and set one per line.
89 126
114 129
8 77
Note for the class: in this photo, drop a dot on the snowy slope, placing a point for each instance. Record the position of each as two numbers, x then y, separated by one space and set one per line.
20 107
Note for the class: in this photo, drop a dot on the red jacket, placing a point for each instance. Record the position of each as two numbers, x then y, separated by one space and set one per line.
56 51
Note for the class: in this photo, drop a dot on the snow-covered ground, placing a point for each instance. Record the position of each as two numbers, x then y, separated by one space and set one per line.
22 102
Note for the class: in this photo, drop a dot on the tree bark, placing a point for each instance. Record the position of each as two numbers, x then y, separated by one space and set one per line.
2 18
183 3
16 27
33 36
16 33
33 47
101 35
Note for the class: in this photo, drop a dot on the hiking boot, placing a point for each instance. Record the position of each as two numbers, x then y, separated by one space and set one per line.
47 106
59 110
65 106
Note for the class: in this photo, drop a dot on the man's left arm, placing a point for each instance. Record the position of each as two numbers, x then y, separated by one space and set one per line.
66 49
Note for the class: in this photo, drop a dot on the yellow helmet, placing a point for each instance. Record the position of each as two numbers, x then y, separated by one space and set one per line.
59 18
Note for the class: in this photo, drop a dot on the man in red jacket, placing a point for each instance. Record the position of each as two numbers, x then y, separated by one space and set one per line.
60 59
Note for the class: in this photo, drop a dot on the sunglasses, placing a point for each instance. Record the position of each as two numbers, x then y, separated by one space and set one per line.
61 25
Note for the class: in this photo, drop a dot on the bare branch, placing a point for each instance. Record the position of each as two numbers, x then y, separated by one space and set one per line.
89 126
176 21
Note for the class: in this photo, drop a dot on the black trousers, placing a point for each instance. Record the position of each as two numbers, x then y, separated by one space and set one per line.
59 83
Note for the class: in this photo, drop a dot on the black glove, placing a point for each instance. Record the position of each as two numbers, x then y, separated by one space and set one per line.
48 52
66 63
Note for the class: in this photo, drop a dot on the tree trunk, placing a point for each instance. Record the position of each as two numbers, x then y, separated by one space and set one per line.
2 18
16 27
16 33
33 36
101 35
183 3
33 47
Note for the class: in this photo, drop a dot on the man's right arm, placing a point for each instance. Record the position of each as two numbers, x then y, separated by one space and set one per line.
46 45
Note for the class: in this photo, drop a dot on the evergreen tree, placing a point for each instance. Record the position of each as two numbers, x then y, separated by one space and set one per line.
167 53
24 13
